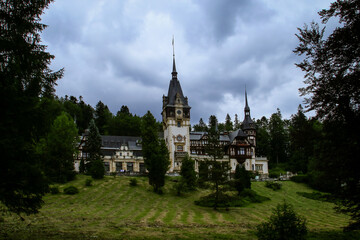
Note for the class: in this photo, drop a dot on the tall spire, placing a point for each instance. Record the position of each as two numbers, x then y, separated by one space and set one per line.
174 73
247 108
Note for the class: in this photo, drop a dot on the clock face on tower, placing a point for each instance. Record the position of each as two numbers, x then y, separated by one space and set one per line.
178 112
179 138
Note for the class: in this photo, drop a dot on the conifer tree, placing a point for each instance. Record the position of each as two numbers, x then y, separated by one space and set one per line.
25 78
188 172
60 148
155 152
94 166
332 70
218 171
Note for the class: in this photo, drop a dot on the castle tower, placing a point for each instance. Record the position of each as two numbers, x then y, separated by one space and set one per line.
248 126
176 122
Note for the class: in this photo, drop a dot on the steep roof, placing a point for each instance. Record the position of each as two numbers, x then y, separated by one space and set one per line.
235 134
175 89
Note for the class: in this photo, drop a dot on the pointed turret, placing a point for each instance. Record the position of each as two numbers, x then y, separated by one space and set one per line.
248 123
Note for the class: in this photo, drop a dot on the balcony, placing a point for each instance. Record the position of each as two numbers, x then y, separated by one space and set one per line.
180 154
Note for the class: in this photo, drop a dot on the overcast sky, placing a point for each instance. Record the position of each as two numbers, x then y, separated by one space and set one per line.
120 52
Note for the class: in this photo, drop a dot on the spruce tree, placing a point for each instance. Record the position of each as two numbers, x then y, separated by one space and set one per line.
25 79
218 171
188 173
94 166
331 70
61 146
155 152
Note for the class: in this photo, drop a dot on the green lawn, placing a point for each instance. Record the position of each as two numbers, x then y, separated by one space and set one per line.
112 209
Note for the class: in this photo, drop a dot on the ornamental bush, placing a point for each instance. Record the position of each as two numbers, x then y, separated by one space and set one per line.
284 224
71 190
273 185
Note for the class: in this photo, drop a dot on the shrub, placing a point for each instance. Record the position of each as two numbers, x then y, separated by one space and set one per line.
180 187
246 196
54 190
97 169
300 179
88 182
71 190
273 175
273 185
324 197
133 182
283 224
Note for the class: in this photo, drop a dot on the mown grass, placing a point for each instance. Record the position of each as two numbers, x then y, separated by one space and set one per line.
112 209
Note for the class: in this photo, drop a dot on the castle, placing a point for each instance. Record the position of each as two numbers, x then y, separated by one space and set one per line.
123 153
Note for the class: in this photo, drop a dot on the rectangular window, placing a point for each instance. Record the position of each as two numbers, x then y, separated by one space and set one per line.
179 148
118 166
179 124
107 166
130 167
142 167
242 151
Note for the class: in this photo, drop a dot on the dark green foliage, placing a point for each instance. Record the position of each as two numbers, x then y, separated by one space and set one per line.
332 71
54 190
228 123
284 224
81 112
262 138
303 134
59 149
213 148
242 178
201 127
97 169
133 182
324 197
25 79
71 190
94 166
124 124
102 117
218 171
88 182
278 138
188 173
300 179
203 173
155 152
273 185
276 171
247 196
180 187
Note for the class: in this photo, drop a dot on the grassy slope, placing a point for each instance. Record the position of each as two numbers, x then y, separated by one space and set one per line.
111 209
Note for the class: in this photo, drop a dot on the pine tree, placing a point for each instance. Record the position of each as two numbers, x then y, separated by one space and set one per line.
228 123
25 78
332 70
93 148
242 178
188 173
155 152
218 171
278 138
61 146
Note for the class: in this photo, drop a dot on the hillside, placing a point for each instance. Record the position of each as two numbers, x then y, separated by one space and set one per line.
112 209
